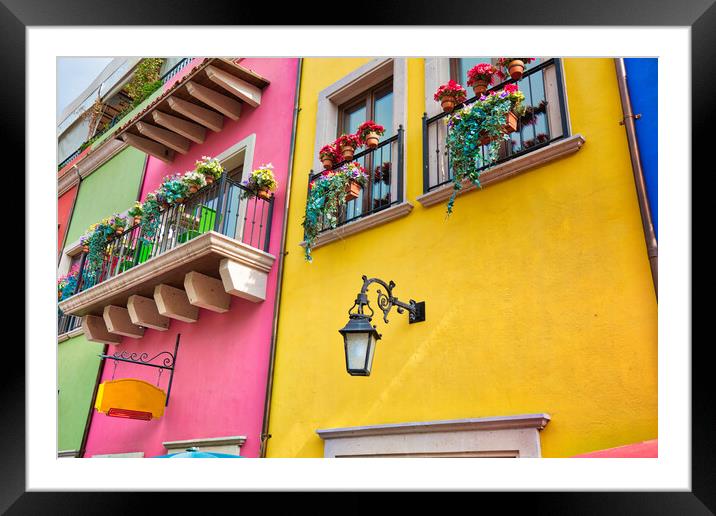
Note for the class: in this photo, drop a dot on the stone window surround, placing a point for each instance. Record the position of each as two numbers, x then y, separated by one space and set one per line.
501 436
230 444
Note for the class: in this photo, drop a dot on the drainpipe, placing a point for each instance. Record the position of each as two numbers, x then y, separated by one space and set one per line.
100 371
265 436
628 122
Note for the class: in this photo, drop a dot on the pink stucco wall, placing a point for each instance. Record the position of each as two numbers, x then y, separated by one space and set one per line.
221 369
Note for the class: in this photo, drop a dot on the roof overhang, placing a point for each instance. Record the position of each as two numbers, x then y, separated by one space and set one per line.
201 100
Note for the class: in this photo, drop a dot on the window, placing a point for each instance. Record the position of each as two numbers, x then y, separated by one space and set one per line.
544 122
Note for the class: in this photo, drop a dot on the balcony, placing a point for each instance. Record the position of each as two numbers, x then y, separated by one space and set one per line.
542 135
381 200
204 250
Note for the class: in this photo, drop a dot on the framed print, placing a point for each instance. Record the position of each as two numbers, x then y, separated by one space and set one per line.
370 243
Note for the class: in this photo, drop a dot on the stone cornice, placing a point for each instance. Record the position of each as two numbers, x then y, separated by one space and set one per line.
67 180
508 169
208 243
376 219
536 421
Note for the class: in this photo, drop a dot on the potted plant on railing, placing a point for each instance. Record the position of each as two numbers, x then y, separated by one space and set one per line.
67 284
449 95
84 239
173 189
117 223
357 179
99 234
329 156
136 212
194 181
480 77
369 133
150 216
515 66
487 121
210 168
347 143
260 183
326 195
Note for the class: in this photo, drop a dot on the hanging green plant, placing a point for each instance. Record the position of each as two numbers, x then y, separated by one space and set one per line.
96 241
326 195
469 128
150 217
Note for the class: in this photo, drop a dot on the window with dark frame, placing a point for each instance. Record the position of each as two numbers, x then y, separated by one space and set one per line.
374 104
534 127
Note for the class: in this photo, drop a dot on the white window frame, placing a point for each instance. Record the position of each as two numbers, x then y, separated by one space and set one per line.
230 444
502 436
126 455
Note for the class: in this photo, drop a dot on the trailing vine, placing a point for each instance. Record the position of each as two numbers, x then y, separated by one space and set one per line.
485 118
326 196
150 217
146 80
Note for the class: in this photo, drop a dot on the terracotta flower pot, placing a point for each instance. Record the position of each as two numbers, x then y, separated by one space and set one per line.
509 127
348 152
448 103
165 205
85 249
137 220
352 190
119 231
516 68
193 189
480 86
209 179
265 194
327 163
371 141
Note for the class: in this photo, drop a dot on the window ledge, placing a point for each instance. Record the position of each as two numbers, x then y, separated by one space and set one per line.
376 219
68 335
508 169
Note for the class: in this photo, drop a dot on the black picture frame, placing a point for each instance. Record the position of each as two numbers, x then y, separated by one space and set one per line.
700 15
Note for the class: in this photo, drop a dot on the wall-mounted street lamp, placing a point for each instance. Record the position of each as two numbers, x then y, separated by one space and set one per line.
360 337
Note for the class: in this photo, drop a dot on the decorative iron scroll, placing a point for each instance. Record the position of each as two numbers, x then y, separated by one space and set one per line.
386 301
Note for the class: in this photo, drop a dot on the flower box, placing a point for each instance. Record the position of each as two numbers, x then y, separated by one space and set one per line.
509 127
352 190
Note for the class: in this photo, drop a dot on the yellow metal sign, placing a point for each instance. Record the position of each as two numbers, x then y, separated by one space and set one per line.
130 398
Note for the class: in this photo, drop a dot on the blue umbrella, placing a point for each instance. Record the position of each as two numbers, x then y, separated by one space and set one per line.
194 453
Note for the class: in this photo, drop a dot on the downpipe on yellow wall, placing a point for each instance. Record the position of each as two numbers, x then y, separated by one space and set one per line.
646 220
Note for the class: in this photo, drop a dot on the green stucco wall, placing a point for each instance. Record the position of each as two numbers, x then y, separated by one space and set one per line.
112 188
78 361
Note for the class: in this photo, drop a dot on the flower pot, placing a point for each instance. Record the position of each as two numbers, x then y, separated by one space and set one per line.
209 179
119 231
327 163
85 249
515 68
348 152
480 86
509 127
193 189
448 103
179 200
165 205
264 193
137 220
352 190
371 141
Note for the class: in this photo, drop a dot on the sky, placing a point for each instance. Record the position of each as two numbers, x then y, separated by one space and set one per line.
74 74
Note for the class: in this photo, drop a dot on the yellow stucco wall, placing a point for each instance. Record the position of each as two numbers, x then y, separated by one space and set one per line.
538 293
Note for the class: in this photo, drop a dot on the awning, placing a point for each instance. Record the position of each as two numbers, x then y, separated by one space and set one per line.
645 449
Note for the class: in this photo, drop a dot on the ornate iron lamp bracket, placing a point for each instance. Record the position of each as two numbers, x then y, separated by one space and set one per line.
168 362
386 301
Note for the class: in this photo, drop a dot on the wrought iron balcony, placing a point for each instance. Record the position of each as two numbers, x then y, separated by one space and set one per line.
384 166
222 231
544 122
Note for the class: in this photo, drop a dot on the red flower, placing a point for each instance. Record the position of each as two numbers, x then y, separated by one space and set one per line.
511 88
483 71
451 89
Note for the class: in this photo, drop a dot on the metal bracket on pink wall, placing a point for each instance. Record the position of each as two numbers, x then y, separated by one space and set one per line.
168 362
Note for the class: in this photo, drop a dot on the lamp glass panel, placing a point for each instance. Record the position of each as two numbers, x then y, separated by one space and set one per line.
358 345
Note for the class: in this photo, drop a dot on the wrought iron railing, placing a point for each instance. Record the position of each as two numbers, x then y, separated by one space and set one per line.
164 78
66 323
384 166
226 207
544 122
